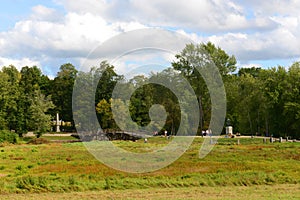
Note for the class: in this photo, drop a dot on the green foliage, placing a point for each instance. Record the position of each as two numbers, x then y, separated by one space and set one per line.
193 64
39 121
8 136
17 91
106 78
265 102
225 63
259 101
61 92
9 90
103 109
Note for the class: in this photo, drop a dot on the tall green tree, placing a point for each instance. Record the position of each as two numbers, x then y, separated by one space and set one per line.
40 121
292 101
225 63
194 57
250 105
62 89
12 97
29 83
106 78
141 100
3 100
275 83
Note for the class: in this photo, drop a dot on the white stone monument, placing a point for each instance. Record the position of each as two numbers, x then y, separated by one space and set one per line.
57 123
229 130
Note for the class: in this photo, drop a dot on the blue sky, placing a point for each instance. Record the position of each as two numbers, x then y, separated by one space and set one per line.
49 33
12 11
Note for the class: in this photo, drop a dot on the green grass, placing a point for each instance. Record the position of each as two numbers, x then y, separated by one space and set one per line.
70 167
59 138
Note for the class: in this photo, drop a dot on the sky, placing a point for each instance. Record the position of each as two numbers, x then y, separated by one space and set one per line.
49 33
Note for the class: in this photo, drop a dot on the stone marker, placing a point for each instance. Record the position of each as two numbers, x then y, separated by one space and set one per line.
229 131
57 123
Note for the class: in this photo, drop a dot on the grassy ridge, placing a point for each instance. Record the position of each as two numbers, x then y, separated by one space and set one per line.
70 167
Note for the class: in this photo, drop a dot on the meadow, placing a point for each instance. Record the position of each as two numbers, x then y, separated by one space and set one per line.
229 171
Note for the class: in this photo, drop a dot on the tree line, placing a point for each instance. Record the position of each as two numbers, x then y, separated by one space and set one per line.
259 101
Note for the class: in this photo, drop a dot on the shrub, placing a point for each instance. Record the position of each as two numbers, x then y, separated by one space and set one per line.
8 136
107 184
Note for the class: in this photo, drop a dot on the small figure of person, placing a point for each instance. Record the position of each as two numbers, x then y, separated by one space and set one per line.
207 132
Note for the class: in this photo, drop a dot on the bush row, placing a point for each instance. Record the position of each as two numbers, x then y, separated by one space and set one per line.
8 136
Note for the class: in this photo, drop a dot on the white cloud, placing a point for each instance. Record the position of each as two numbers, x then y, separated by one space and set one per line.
261 36
277 44
251 30
193 36
74 36
138 48
205 15
96 7
250 65
272 7
18 63
43 13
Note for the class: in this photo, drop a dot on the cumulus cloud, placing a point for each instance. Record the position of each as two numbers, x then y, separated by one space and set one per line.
138 48
278 44
18 63
73 36
207 15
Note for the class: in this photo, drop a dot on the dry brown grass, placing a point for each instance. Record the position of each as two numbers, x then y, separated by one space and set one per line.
208 193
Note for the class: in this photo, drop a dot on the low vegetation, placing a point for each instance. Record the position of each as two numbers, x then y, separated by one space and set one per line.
8 137
69 167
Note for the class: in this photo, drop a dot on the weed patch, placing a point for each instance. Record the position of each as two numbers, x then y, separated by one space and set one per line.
38 141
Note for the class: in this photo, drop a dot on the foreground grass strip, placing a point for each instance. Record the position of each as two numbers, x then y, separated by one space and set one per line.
239 193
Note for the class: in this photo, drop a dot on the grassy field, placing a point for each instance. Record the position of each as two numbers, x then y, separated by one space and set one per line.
60 169
208 193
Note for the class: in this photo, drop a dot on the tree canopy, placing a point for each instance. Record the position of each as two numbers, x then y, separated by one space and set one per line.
259 101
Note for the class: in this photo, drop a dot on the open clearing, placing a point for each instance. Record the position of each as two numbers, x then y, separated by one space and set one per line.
251 170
